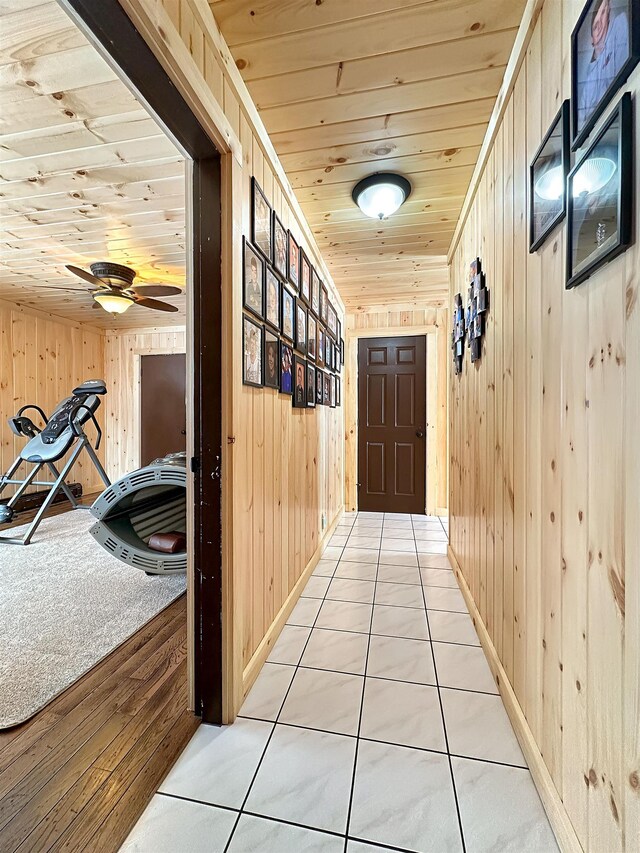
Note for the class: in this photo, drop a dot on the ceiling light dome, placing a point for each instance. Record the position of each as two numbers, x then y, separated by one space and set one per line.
113 301
380 195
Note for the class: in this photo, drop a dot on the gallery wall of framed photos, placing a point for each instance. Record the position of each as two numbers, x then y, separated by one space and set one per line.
543 443
289 343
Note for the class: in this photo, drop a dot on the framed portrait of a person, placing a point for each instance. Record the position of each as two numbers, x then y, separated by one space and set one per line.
293 266
288 314
326 390
332 391
299 383
273 287
605 48
324 299
261 221
316 285
252 280
320 347
341 350
547 180
311 386
271 360
338 391
301 327
327 350
332 320
312 336
305 278
252 340
600 197
286 368
280 246
319 387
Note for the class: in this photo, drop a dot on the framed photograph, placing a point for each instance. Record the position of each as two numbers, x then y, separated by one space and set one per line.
305 278
311 386
548 180
320 349
600 197
338 330
319 387
271 360
252 279
279 246
605 48
273 286
324 299
261 216
326 390
316 286
327 350
332 320
332 391
301 327
288 314
293 266
338 391
299 382
286 368
252 344
341 350
312 336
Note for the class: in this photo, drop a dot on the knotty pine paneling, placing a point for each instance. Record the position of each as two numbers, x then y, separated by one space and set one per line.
42 359
544 468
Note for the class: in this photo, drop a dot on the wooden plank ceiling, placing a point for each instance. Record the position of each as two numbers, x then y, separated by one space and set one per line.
85 173
351 87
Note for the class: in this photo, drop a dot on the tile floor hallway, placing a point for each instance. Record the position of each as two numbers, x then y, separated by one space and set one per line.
375 724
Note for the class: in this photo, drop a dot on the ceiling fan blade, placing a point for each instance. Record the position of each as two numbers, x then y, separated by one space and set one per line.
157 289
155 304
87 276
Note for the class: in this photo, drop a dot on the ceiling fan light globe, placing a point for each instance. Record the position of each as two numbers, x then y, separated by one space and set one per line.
114 303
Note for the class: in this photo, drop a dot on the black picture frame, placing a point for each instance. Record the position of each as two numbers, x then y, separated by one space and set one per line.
287 315
560 160
319 387
324 299
311 385
312 336
581 42
299 382
316 285
623 115
326 389
250 332
261 221
293 262
338 391
301 327
342 351
327 349
280 246
285 368
332 320
320 347
251 300
332 391
271 360
272 307
305 278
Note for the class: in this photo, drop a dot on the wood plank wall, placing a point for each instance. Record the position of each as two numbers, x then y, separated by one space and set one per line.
434 323
122 351
287 482
544 469
42 358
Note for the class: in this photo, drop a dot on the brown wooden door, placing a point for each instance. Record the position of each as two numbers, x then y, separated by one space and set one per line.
392 408
163 411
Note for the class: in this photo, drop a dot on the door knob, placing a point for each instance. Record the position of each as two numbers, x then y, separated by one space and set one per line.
183 432
419 433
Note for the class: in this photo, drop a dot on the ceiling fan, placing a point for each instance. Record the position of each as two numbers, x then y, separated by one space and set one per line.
113 288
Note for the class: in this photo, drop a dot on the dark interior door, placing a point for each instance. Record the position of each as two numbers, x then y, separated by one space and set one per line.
163 411
392 409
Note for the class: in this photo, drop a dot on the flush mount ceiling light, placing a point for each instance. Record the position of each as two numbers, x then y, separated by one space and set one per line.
378 196
113 301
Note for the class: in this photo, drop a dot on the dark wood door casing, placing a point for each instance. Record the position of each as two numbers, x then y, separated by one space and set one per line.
163 408
392 402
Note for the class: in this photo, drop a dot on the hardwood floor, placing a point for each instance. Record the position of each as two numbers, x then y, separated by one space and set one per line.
78 775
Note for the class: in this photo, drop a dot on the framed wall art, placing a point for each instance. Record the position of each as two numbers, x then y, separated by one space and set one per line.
326 390
271 360
321 345
305 278
332 320
299 382
338 391
457 338
324 299
301 327
293 266
288 317
600 197
548 180
286 367
261 216
312 336
252 345
311 386
316 286
341 350
273 287
605 48
332 391
252 279
280 246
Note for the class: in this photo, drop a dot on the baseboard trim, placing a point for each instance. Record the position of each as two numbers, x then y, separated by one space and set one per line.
556 812
260 655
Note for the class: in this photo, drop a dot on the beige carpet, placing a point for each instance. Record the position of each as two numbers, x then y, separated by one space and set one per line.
64 605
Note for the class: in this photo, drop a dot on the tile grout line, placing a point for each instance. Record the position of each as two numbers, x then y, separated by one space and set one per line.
275 722
444 724
364 684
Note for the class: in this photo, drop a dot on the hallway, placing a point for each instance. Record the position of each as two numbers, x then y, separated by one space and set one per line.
375 721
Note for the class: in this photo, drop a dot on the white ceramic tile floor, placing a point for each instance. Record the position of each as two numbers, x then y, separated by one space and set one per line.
372 727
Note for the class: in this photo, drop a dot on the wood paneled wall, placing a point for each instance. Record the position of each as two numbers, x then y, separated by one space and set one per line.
42 358
122 351
545 469
434 323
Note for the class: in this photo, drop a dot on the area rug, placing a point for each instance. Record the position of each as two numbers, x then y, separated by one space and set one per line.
64 605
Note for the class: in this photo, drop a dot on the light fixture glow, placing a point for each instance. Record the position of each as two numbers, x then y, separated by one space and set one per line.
113 302
593 175
550 185
379 196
